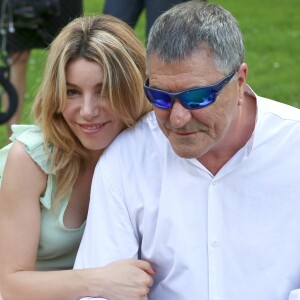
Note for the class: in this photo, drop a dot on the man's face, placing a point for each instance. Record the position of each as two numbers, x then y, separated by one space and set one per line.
193 133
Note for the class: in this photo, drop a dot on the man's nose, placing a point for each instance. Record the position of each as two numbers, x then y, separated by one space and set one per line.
179 115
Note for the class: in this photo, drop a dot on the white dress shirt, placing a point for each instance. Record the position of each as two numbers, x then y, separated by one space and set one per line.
232 236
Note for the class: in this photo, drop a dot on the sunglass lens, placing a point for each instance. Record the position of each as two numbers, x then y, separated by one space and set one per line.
159 99
199 98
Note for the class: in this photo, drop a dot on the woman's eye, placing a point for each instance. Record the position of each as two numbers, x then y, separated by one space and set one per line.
72 92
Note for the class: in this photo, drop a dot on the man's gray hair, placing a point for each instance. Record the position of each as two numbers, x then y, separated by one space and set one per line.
196 25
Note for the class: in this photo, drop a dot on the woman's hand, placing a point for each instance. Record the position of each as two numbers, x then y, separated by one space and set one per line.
128 279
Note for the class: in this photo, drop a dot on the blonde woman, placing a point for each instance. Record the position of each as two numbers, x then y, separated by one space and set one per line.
91 90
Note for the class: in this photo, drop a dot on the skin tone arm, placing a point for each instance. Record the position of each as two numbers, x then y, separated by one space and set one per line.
23 183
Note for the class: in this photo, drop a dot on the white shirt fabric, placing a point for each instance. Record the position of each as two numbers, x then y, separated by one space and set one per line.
232 236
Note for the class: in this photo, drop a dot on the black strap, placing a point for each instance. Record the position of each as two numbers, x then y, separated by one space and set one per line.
11 93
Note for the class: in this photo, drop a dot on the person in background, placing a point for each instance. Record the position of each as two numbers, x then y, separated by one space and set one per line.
205 188
130 10
91 90
34 32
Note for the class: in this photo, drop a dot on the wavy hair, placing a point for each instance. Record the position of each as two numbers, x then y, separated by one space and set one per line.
113 45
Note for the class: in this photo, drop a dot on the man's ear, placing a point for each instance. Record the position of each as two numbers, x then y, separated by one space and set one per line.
242 78
242 74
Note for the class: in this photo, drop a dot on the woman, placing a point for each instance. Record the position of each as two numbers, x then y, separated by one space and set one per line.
35 23
92 89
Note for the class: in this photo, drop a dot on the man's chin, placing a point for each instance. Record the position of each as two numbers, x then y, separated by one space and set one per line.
186 153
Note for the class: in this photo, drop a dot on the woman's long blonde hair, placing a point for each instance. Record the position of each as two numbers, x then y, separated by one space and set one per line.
113 45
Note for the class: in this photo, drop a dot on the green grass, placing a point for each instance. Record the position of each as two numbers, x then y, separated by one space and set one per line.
272 36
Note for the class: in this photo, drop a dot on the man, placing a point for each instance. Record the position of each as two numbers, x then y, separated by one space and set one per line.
207 189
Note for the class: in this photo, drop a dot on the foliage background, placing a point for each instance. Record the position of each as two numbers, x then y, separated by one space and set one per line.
271 30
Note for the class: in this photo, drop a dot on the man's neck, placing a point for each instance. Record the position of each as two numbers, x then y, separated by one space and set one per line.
236 138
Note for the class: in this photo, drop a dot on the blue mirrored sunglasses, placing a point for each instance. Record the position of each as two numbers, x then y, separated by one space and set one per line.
195 98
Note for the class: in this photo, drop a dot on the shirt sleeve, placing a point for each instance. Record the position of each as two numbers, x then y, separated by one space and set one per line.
295 295
109 234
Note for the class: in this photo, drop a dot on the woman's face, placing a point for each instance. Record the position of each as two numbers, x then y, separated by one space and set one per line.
87 113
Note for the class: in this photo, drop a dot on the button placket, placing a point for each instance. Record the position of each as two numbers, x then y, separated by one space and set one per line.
213 219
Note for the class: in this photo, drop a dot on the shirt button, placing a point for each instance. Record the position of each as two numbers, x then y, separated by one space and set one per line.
214 183
215 244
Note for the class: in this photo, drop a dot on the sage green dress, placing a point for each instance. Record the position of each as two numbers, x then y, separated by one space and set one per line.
58 245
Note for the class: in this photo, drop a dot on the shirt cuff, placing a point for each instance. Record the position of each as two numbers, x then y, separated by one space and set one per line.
88 298
295 295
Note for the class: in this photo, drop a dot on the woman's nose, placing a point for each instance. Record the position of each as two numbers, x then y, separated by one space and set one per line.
90 107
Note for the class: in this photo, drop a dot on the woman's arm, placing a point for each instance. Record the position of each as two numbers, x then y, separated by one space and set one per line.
23 183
